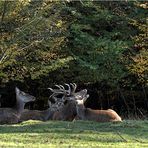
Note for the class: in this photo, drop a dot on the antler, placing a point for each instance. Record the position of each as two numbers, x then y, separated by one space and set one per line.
65 92
61 90
69 88
73 89
74 86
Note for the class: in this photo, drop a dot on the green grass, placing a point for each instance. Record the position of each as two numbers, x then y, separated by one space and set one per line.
37 134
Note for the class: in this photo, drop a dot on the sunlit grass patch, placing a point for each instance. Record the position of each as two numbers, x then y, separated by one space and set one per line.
35 134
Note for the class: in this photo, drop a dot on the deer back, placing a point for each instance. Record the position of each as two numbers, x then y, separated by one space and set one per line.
8 116
97 115
36 115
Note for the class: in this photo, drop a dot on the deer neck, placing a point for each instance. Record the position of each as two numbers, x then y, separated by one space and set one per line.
48 113
19 106
80 108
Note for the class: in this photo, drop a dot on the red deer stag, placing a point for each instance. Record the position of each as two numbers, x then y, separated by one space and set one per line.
68 111
12 115
84 113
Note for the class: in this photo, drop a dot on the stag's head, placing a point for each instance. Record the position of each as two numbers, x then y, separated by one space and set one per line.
22 96
56 105
82 100
79 95
69 93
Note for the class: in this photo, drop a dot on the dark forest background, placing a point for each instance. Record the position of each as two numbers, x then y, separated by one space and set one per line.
99 45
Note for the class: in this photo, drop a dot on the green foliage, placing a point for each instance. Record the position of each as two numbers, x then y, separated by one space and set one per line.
89 42
36 41
97 41
139 58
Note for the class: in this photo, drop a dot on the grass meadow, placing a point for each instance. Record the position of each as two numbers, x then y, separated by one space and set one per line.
37 134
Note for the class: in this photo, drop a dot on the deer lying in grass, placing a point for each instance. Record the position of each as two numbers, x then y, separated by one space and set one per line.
84 113
12 115
75 106
41 115
68 111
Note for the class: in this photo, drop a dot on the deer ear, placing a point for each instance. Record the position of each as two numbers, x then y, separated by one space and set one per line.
17 90
85 98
